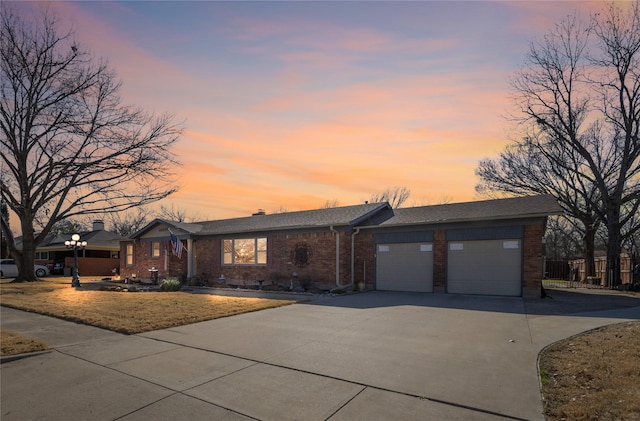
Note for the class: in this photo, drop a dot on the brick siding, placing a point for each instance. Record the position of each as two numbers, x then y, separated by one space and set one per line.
533 262
280 267
439 261
143 261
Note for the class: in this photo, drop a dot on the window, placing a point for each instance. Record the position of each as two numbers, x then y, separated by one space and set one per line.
155 249
244 251
42 255
129 257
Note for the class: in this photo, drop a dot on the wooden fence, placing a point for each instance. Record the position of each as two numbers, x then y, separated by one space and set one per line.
94 266
577 268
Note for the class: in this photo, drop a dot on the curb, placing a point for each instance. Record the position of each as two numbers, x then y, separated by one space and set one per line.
9 358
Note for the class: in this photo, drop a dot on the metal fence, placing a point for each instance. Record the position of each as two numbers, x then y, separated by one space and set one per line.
561 283
571 273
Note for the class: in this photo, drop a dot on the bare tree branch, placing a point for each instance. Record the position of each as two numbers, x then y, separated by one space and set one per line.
396 196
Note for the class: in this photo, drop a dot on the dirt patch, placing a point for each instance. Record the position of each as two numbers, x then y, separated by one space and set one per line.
593 376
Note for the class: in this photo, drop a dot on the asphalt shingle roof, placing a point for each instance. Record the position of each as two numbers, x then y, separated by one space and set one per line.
346 215
372 215
517 207
96 239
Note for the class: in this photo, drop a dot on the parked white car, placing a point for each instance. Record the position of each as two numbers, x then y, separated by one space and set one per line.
8 269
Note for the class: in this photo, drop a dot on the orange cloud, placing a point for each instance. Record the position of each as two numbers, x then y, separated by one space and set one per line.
293 112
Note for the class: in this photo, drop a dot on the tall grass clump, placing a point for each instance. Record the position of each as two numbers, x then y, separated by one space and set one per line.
170 284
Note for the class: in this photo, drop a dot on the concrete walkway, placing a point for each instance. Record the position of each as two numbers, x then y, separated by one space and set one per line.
370 356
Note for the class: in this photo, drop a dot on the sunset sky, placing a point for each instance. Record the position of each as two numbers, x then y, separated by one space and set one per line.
290 104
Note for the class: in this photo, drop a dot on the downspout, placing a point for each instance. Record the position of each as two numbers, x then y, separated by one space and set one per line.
338 285
353 255
190 258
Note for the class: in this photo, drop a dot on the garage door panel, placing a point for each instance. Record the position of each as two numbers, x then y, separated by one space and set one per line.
489 267
404 267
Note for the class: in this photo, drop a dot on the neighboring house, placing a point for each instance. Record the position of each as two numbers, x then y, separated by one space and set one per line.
491 247
100 258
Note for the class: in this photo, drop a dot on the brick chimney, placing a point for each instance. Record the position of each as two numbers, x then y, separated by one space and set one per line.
98 225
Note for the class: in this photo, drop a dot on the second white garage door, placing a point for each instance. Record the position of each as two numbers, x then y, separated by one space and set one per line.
487 267
404 267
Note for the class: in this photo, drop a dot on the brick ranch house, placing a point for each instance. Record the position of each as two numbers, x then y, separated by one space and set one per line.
492 247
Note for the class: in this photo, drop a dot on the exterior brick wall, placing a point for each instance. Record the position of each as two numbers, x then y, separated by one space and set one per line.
208 257
143 261
533 264
364 269
439 261
280 267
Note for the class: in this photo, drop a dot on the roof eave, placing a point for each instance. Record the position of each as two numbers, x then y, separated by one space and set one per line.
459 220
271 229
369 214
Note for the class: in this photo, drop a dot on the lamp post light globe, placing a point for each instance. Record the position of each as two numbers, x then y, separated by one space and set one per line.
75 244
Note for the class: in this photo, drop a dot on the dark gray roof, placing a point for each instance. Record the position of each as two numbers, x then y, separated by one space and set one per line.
341 216
516 207
98 239
368 215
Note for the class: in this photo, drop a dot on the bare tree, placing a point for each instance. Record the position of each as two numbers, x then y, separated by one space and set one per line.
67 227
432 200
69 145
562 240
333 203
129 222
578 99
528 167
174 213
396 196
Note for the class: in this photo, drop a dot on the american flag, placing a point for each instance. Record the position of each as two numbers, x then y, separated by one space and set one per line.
176 245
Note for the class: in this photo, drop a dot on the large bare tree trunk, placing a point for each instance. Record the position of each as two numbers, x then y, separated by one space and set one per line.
589 251
614 249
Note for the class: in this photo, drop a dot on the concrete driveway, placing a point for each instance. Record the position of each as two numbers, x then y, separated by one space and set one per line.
370 356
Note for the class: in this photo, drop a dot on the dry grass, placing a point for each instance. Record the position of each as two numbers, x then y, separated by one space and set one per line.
593 376
12 344
125 312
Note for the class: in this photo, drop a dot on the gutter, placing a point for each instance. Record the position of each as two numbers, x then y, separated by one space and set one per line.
436 222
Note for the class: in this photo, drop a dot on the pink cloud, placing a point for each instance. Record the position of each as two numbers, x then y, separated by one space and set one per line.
292 135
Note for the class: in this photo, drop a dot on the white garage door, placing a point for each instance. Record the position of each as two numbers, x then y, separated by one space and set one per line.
404 267
487 267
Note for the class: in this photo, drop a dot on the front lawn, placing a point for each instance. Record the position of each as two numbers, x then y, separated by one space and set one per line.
12 343
125 312
593 376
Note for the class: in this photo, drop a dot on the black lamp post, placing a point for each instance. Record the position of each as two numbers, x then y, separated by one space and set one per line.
75 244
